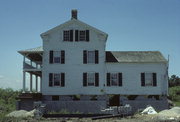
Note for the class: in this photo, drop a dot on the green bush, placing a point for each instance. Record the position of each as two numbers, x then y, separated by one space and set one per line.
174 94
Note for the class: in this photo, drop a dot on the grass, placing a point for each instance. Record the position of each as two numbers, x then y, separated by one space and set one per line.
177 103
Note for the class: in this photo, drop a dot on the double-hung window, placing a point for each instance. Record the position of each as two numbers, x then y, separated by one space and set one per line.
68 35
91 79
56 56
56 79
82 35
148 79
114 79
90 57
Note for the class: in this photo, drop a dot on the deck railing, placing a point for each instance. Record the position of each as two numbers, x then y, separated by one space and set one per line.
32 65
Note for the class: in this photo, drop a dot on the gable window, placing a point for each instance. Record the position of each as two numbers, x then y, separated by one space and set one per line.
57 79
57 57
82 35
148 79
68 35
90 79
90 57
114 79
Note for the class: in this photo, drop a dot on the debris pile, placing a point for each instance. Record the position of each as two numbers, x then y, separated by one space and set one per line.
172 114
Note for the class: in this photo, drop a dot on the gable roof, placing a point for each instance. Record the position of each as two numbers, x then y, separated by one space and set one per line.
134 57
73 21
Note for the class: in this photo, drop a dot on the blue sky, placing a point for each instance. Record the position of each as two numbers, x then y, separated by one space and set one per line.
132 25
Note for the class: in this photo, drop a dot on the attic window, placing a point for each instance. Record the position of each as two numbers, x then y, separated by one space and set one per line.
68 35
82 35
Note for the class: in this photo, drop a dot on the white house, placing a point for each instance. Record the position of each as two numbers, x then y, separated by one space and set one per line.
74 69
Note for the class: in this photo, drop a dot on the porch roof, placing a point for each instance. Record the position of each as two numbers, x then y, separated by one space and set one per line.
34 54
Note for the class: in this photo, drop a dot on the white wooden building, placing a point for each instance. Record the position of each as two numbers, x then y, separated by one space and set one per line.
73 61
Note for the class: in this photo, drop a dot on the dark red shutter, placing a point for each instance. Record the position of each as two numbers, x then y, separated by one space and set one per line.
87 35
76 35
96 57
62 79
108 79
84 79
50 56
50 79
142 79
154 79
62 57
85 56
96 79
120 79
71 35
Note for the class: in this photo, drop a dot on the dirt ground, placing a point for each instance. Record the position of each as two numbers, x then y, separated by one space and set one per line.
136 118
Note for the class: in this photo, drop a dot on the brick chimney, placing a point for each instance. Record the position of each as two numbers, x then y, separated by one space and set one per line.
74 14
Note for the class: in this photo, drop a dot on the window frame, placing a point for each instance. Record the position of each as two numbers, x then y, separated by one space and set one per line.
66 35
58 57
59 75
117 79
80 35
152 79
91 58
89 74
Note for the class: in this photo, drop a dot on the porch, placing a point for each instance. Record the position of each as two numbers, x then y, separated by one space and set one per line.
32 66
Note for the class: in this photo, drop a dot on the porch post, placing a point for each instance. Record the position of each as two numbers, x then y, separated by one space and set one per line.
40 84
36 83
30 82
24 81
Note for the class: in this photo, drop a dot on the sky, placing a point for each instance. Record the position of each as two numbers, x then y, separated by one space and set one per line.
132 25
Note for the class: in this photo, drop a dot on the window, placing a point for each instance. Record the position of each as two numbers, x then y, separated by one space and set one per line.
114 79
82 35
68 35
56 79
148 79
91 79
55 98
90 57
57 57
